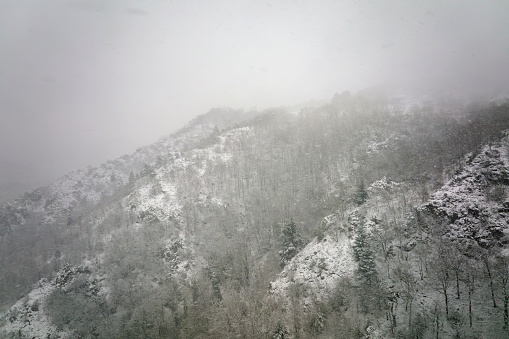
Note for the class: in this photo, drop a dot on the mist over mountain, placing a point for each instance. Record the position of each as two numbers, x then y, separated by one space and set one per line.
370 215
84 81
240 169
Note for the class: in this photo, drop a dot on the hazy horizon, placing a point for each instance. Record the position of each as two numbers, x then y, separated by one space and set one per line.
84 81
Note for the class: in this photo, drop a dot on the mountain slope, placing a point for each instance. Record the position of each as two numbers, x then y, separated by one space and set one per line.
474 203
44 220
198 242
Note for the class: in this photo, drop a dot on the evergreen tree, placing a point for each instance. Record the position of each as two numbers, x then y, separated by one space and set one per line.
364 256
280 332
132 179
291 243
361 195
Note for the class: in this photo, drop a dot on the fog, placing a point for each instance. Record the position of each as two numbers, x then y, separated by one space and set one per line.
83 81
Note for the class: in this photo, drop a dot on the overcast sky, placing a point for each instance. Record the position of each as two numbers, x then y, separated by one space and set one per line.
83 81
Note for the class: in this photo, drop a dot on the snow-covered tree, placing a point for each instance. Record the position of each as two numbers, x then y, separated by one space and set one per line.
364 255
361 195
291 243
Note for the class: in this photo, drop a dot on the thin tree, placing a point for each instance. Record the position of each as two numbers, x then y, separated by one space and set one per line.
442 270
407 279
502 275
469 278
383 236
457 262
487 259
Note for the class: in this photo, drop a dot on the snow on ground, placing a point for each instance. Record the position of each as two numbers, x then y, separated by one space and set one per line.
405 103
375 146
475 201
181 259
91 185
318 267
382 184
28 318
223 149
158 197
322 263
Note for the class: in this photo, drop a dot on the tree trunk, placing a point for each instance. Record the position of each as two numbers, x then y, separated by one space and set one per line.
457 285
446 302
506 310
437 321
491 284
470 306
410 315
394 324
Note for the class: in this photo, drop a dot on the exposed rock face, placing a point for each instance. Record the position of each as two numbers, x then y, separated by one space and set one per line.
192 238
318 267
473 204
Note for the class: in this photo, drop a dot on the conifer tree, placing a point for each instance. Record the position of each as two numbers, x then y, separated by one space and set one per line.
361 195
280 332
291 243
364 256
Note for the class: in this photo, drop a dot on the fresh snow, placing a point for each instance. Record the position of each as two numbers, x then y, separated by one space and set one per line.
28 317
318 267
470 202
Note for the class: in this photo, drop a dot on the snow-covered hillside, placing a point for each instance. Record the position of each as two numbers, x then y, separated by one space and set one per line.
29 318
158 198
189 237
85 188
318 267
474 202
327 259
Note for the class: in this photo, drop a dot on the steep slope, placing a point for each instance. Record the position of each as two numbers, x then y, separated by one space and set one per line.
84 188
44 221
474 203
330 257
327 274
194 245
454 245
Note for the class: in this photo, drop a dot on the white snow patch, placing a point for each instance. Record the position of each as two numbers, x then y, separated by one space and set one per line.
319 266
28 317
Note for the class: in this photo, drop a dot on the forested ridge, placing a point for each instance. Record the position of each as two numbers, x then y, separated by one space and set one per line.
363 218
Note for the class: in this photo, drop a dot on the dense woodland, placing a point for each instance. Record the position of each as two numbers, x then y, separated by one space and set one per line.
247 199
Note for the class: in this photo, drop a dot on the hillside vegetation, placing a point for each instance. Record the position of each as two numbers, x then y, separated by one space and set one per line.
364 218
